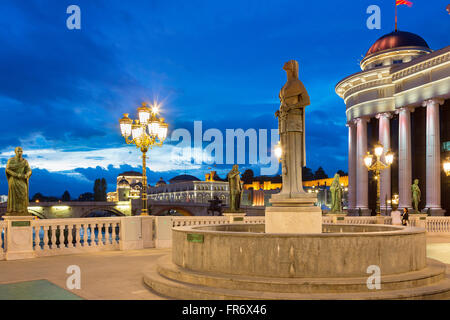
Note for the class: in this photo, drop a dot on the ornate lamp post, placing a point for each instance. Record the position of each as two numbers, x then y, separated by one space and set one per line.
447 166
145 133
377 166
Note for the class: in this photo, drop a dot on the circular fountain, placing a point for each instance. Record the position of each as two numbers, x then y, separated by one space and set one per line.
240 261
292 255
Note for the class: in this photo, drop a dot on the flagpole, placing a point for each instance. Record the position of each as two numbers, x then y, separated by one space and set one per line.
395 3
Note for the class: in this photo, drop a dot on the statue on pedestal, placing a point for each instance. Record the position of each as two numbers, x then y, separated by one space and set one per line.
336 195
18 173
291 124
415 195
235 185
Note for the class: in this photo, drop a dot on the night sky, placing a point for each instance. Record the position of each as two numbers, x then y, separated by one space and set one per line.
62 91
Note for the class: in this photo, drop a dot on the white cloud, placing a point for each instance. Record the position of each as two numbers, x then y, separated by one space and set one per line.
55 160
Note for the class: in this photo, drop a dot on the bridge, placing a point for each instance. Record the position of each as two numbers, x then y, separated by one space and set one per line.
83 209
76 209
158 208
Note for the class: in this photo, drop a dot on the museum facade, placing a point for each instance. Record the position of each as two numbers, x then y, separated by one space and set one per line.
401 99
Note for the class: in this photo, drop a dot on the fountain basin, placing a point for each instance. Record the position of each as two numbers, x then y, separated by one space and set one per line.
339 251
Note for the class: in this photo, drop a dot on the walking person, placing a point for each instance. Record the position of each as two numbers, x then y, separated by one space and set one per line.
405 217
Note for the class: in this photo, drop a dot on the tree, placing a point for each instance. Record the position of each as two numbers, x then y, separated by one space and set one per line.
320 174
103 187
65 196
307 174
87 196
342 173
97 191
38 196
248 176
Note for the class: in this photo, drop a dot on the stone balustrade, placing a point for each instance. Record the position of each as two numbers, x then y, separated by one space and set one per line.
69 236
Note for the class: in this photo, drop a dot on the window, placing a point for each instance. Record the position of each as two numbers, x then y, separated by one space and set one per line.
378 64
397 61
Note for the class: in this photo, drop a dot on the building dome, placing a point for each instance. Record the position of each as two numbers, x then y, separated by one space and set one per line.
397 39
160 182
131 174
183 178
123 184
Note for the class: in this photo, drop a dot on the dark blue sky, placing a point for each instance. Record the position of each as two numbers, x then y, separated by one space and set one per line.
62 91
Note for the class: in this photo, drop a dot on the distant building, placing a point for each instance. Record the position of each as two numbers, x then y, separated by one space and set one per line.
187 188
129 186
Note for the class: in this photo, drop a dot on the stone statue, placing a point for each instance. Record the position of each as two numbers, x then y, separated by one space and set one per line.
235 184
17 172
415 194
291 124
336 194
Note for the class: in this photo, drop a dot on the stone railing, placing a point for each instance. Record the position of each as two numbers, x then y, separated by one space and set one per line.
49 237
67 236
438 224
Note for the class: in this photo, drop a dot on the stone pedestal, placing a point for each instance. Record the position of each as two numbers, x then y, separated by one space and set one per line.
163 230
420 220
235 217
337 217
19 237
131 233
294 215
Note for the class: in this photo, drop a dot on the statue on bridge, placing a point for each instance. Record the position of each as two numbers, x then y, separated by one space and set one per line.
215 205
336 195
236 186
18 173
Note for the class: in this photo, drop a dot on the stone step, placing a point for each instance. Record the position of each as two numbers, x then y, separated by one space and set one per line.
434 273
179 290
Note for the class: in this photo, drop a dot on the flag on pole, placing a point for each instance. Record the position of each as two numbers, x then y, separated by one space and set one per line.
406 2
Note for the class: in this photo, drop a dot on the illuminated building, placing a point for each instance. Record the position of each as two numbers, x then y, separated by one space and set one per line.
401 99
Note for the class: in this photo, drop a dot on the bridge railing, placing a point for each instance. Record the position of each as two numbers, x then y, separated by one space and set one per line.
67 236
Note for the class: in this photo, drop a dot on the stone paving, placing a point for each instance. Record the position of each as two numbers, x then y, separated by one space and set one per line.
119 274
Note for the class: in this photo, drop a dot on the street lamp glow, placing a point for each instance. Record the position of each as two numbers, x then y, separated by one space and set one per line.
125 125
144 113
377 166
389 158
447 166
378 150
368 160
145 133
278 151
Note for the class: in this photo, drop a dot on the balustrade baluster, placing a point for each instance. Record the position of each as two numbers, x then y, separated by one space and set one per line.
116 233
100 234
82 233
70 228
46 239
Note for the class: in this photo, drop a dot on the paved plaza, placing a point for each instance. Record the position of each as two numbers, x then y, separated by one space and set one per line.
117 274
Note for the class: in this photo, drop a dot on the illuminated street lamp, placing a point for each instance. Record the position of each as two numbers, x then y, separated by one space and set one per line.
278 151
378 166
145 133
447 166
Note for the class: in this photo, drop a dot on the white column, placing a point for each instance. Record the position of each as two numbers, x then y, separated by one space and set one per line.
404 158
362 178
351 165
384 136
433 160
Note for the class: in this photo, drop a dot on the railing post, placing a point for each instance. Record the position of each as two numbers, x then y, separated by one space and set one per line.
131 233
163 228
19 237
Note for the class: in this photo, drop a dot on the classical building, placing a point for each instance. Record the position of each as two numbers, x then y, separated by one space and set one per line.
129 186
187 188
400 98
